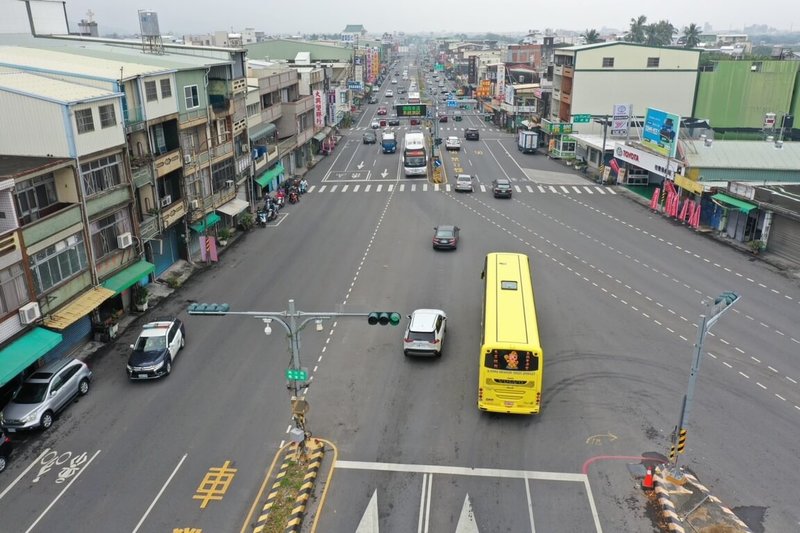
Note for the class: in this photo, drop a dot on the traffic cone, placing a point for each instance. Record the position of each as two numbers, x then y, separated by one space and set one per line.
647 483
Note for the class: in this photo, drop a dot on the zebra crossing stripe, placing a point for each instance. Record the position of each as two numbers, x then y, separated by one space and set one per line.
577 190
424 187
483 187
402 187
368 187
356 187
566 191
553 189
413 187
380 187
541 189
611 191
436 187
311 189
530 189
322 189
590 191
601 191
517 188
447 187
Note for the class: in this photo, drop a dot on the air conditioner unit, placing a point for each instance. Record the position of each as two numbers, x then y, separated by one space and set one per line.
229 183
124 240
245 148
29 313
187 159
195 204
166 200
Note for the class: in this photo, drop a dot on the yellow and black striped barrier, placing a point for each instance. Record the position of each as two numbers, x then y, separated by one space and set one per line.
261 521
681 445
315 451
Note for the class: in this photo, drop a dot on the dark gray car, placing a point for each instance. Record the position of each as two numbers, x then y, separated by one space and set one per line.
49 390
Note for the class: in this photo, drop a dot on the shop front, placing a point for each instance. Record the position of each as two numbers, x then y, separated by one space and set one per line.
74 321
25 351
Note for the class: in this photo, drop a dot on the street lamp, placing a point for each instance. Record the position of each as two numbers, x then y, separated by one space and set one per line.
722 303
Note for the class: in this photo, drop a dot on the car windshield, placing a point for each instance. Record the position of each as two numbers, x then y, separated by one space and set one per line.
31 393
444 233
151 344
464 178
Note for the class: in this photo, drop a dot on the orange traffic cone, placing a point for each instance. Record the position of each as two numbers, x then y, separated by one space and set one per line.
647 482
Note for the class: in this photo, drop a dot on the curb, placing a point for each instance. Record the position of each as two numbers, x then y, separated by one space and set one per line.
315 451
667 507
730 514
261 521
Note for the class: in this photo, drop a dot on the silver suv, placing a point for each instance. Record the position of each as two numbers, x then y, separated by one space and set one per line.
49 390
425 332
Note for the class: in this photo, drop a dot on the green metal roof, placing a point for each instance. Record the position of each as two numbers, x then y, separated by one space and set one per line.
744 207
269 175
21 353
289 48
122 280
262 130
211 220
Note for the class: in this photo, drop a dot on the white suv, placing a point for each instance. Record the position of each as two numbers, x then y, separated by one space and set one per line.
425 332
452 143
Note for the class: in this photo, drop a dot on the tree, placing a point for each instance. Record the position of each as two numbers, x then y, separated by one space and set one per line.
692 35
591 36
636 34
659 33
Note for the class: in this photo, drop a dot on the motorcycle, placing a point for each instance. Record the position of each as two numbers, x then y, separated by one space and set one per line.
294 197
303 186
280 199
262 218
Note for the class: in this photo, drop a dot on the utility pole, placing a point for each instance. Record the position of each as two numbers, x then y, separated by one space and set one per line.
722 303
296 375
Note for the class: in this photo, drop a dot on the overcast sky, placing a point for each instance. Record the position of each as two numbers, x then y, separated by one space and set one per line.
411 16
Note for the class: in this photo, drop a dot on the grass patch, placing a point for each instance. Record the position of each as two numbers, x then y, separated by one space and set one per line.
287 493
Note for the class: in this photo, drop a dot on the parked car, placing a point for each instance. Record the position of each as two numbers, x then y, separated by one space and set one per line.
445 237
5 450
464 182
156 348
501 188
48 391
370 137
425 332
472 134
452 143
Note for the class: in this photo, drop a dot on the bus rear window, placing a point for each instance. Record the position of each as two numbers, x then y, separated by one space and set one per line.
511 360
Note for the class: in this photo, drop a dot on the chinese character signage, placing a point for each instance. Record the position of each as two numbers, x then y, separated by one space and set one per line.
409 110
320 108
500 87
661 132
472 72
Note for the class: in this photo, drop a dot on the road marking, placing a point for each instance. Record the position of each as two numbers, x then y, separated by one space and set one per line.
380 187
24 473
60 494
466 520
425 504
368 187
460 471
576 189
369 521
530 505
589 190
334 187
552 189
541 189
600 190
566 191
160 492
322 189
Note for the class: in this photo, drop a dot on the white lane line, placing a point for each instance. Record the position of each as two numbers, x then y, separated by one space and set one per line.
60 494
530 506
160 492
24 473
744 375
461 471
760 385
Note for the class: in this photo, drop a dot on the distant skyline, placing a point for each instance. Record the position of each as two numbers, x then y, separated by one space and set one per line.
417 16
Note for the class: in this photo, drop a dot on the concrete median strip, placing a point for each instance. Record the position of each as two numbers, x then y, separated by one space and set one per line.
689 504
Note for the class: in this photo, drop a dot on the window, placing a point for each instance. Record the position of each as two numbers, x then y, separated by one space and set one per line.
253 109
150 91
222 172
34 196
13 291
191 97
511 360
84 121
652 62
105 231
166 89
608 62
101 174
58 262
107 116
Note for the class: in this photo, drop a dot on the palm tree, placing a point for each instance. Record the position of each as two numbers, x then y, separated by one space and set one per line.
591 36
636 33
692 34
666 32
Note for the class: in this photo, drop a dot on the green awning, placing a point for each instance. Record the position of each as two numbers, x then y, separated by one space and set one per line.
210 221
18 355
744 207
262 130
319 137
122 280
269 175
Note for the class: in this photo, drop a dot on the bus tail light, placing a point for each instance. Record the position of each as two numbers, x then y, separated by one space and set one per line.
480 393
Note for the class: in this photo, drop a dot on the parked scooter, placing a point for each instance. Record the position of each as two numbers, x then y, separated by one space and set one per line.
280 198
294 196
262 218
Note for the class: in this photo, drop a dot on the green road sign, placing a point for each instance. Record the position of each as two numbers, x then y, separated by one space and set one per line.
297 374
439 67
581 119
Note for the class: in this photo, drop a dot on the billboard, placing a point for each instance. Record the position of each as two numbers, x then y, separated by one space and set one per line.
660 132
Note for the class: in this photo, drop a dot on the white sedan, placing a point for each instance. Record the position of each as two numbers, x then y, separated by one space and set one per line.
452 143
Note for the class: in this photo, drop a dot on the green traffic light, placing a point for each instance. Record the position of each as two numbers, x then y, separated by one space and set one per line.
383 318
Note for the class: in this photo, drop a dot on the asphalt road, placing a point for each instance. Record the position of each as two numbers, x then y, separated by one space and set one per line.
618 291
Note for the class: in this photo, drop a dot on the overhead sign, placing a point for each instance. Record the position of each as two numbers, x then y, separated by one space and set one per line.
354 85
660 132
452 103
439 67
581 119
411 110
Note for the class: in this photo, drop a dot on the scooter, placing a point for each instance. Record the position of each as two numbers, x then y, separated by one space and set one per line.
303 186
280 199
293 196
262 218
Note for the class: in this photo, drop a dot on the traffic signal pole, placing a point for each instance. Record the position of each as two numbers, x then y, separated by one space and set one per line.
288 319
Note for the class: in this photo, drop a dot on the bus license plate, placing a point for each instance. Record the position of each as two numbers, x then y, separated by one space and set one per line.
509 404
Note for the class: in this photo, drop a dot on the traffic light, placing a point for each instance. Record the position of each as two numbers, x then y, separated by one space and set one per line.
383 318
727 298
208 309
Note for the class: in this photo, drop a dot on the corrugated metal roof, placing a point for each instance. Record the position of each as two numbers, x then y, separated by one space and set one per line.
47 88
759 155
288 49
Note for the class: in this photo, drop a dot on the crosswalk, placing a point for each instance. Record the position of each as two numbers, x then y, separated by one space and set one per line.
407 128
447 187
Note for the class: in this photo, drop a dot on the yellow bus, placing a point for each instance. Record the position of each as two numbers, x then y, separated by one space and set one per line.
510 375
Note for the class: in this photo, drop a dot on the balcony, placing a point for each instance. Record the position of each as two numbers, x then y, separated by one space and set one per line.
272 153
173 212
168 162
304 136
299 106
148 228
556 94
142 172
134 119
193 117
287 145
221 150
221 108
239 85
272 113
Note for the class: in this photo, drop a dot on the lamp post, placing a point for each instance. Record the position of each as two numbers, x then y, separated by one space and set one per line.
722 303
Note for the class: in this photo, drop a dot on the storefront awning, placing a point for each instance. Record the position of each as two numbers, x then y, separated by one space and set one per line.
18 355
78 308
743 207
122 280
234 207
319 137
269 175
262 130
211 220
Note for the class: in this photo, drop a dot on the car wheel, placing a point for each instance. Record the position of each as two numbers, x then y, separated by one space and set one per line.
47 420
183 341
405 352
3 463
438 354
83 387
169 366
